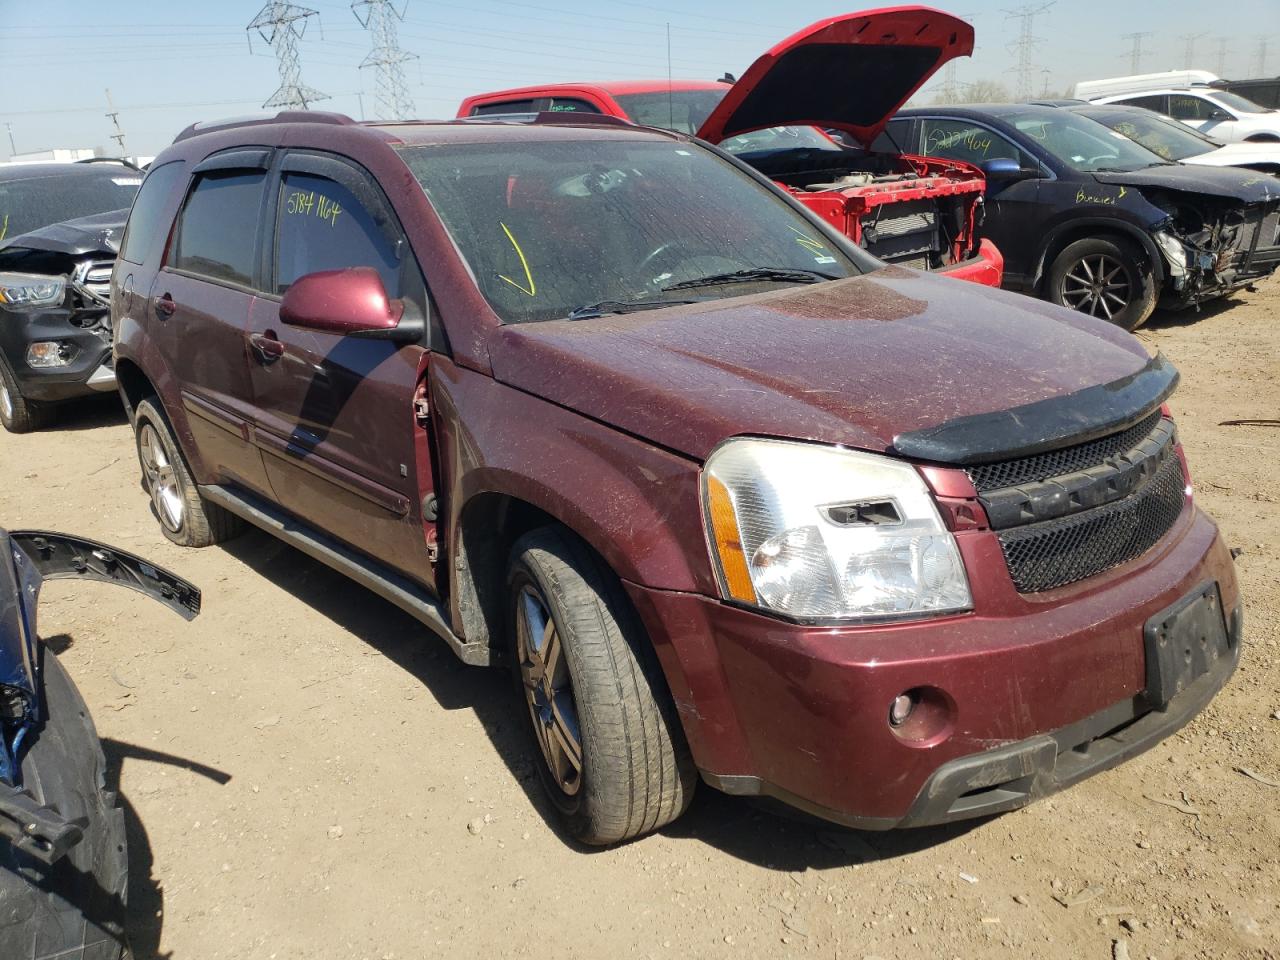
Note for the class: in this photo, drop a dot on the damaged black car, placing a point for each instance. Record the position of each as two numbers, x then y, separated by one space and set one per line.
1089 219
60 227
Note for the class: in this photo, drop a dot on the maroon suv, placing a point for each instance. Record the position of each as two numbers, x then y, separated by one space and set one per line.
731 497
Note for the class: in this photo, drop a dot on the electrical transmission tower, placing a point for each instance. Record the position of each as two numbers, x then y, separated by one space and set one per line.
1189 48
1135 54
1222 55
282 25
950 90
114 116
1024 47
1260 59
392 101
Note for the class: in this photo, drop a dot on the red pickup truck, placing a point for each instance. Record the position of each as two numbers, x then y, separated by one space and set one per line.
849 73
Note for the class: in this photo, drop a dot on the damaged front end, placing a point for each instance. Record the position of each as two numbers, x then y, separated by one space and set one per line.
27 560
1212 246
55 317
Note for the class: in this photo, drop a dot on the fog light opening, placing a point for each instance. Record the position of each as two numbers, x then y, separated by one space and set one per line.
49 353
900 709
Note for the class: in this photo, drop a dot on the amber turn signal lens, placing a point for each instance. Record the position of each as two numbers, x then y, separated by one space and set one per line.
728 542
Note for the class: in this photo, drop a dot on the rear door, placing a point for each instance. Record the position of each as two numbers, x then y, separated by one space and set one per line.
200 300
334 415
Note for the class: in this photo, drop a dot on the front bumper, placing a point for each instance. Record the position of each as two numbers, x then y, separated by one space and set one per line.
1031 688
986 267
90 370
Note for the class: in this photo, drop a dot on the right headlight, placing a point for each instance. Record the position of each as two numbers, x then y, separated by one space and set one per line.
822 533
29 289
1174 252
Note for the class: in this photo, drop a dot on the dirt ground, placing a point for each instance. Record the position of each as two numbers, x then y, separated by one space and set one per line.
301 763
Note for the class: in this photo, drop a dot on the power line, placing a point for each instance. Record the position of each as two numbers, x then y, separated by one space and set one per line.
392 100
284 32
1024 47
1135 54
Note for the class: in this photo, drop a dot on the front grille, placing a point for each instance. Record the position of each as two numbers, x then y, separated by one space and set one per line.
1043 466
93 278
1043 556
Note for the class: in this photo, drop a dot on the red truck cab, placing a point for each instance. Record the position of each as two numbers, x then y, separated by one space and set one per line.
848 74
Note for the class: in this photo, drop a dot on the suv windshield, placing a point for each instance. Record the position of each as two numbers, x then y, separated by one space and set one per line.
1165 138
684 111
40 199
551 227
1081 143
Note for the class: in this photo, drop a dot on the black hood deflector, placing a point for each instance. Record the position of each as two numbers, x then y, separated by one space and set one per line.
1045 425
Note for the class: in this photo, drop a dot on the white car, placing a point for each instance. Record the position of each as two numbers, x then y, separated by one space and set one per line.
1176 141
1189 96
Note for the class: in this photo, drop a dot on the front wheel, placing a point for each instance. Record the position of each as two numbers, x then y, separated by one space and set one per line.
611 753
17 413
1105 278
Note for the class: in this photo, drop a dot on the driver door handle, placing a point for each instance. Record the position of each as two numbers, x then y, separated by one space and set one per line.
266 348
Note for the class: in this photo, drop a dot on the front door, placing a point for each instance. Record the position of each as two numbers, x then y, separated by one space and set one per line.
1013 211
201 300
334 414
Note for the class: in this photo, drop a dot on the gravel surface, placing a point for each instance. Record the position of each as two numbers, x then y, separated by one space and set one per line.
308 774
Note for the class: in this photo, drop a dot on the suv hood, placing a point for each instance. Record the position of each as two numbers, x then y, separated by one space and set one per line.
1247 186
850 72
857 362
99 232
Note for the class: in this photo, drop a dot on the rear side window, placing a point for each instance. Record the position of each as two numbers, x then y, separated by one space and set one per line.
146 233
507 106
218 232
1156 103
321 225
569 105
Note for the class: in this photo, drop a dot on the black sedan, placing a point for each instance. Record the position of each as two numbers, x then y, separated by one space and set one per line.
1087 218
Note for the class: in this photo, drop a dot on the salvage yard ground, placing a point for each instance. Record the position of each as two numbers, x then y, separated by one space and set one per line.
307 774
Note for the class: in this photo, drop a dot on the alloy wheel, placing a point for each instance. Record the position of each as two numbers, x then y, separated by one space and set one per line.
162 479
549 690
1097 285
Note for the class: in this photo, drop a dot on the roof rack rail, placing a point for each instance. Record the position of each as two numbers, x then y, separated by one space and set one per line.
253 120
563 117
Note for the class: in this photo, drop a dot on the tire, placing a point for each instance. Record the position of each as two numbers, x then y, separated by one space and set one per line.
1078 273
17 413
73 910
635 773
185 517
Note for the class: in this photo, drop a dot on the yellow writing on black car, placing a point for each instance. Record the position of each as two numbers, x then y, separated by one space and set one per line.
308 203
1082 196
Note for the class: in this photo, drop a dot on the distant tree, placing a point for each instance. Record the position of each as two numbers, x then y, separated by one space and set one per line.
987 91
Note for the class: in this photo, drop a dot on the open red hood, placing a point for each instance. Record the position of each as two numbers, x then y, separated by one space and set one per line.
851 72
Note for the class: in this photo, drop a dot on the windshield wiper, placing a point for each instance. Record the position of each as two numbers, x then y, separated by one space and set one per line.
778 274
590 310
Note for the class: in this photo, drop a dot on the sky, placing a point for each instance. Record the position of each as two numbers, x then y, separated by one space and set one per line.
169 64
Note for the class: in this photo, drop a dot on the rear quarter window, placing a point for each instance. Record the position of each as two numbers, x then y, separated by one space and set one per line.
218 230
148 227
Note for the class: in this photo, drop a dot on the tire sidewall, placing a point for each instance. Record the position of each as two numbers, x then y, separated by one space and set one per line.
148 415
1138 274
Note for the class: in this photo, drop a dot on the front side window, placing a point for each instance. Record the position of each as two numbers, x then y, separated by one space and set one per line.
962 140
684 111
1183 106
321 225
218 230
145 233
549 227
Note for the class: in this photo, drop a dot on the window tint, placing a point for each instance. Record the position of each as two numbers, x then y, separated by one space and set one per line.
321 225
961 140
507 106
684 111
218 233
893 139
145 234
1156 103
1184 107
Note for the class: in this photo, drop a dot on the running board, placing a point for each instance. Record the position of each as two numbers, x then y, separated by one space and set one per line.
406 595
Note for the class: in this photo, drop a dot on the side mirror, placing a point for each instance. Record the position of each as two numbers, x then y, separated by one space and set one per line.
1002 169
1220 114
350 303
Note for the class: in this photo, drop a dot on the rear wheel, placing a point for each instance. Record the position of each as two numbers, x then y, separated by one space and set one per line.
1105 278
73 909
185 517
611 753
17 413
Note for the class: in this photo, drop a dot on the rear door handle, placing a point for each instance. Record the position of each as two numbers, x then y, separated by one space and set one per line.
164 306
266 347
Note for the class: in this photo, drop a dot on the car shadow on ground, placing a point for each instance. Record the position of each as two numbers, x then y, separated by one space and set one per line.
1168 319
771 837
88 413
